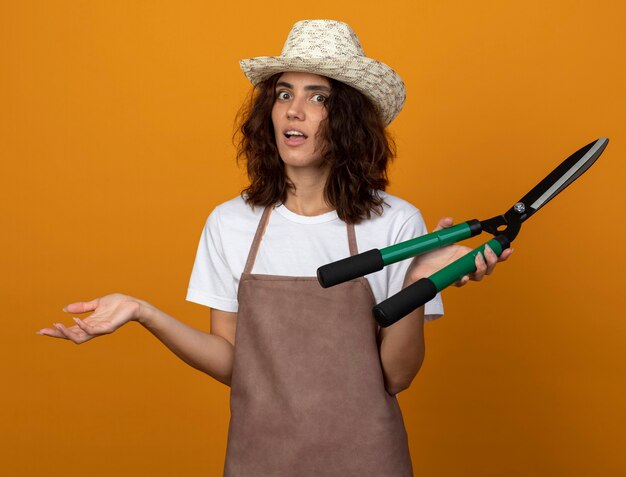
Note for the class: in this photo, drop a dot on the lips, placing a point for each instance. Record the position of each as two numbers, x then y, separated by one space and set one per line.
294 137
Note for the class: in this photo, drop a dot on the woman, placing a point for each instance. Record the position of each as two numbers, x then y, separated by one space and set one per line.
313 381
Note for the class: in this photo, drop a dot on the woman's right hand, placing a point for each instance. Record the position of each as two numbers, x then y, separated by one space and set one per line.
109 313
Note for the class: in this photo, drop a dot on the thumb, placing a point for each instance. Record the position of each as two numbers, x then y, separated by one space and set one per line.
444 223
81 306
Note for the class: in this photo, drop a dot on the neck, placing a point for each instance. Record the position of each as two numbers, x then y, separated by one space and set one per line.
308 197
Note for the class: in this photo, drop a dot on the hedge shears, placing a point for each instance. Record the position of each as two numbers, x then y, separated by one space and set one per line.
503 227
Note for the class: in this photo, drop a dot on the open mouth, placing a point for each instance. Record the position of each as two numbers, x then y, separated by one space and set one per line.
293 134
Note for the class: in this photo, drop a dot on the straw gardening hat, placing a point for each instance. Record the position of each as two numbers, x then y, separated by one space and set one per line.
330 48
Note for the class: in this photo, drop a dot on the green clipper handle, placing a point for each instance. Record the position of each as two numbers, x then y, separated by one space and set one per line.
375 259
412 297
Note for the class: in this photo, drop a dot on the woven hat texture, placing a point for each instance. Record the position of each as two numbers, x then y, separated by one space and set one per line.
331 48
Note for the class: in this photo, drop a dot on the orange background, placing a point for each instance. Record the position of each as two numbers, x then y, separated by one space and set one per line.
115 137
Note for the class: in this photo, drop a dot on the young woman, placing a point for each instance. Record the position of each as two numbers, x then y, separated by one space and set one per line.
313 380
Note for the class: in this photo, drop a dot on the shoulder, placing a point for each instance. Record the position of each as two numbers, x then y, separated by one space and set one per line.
233 214
397 212
399 219
396 206
236 206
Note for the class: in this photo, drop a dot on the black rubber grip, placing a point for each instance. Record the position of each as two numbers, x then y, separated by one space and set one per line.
401 304
475 227
350 268
504 241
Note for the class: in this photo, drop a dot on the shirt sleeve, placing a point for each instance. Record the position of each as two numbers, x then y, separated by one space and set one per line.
212 281
413 227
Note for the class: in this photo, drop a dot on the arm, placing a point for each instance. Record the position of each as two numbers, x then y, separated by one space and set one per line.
402 350
210 353
401 345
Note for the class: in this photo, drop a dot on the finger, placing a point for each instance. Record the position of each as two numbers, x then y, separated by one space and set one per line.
491 258
74 334
462 281
481 268
81 306
87 328
62 330
444 223
52 332
81 324
505 254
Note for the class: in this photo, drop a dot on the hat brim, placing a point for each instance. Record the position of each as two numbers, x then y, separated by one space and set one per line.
381 84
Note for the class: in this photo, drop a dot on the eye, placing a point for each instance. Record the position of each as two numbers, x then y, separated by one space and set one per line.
319 98
283 95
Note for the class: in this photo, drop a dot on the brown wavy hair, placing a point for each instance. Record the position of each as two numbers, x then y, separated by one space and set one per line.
356 147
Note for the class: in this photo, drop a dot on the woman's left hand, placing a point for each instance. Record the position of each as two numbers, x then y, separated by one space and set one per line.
428 263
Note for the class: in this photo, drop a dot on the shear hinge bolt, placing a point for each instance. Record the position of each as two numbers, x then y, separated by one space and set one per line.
520 208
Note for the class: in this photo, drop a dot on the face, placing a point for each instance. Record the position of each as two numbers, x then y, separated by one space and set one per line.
297 113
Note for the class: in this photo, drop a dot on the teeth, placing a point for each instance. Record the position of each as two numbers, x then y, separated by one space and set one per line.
293 133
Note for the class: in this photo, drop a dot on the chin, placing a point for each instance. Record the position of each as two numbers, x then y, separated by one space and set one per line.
301 161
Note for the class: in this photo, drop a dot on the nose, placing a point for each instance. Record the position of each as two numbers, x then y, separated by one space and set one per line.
296 109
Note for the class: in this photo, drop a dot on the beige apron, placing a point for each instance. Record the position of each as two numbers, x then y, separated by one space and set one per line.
307 392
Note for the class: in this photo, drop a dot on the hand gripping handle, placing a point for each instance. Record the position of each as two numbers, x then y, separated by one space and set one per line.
412 297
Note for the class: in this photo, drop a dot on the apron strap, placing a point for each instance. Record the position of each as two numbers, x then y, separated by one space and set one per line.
354 250
260 230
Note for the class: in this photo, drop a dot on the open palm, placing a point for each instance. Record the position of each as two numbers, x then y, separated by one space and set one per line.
109 313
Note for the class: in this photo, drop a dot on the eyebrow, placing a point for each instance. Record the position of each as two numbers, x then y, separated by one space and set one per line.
311 87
